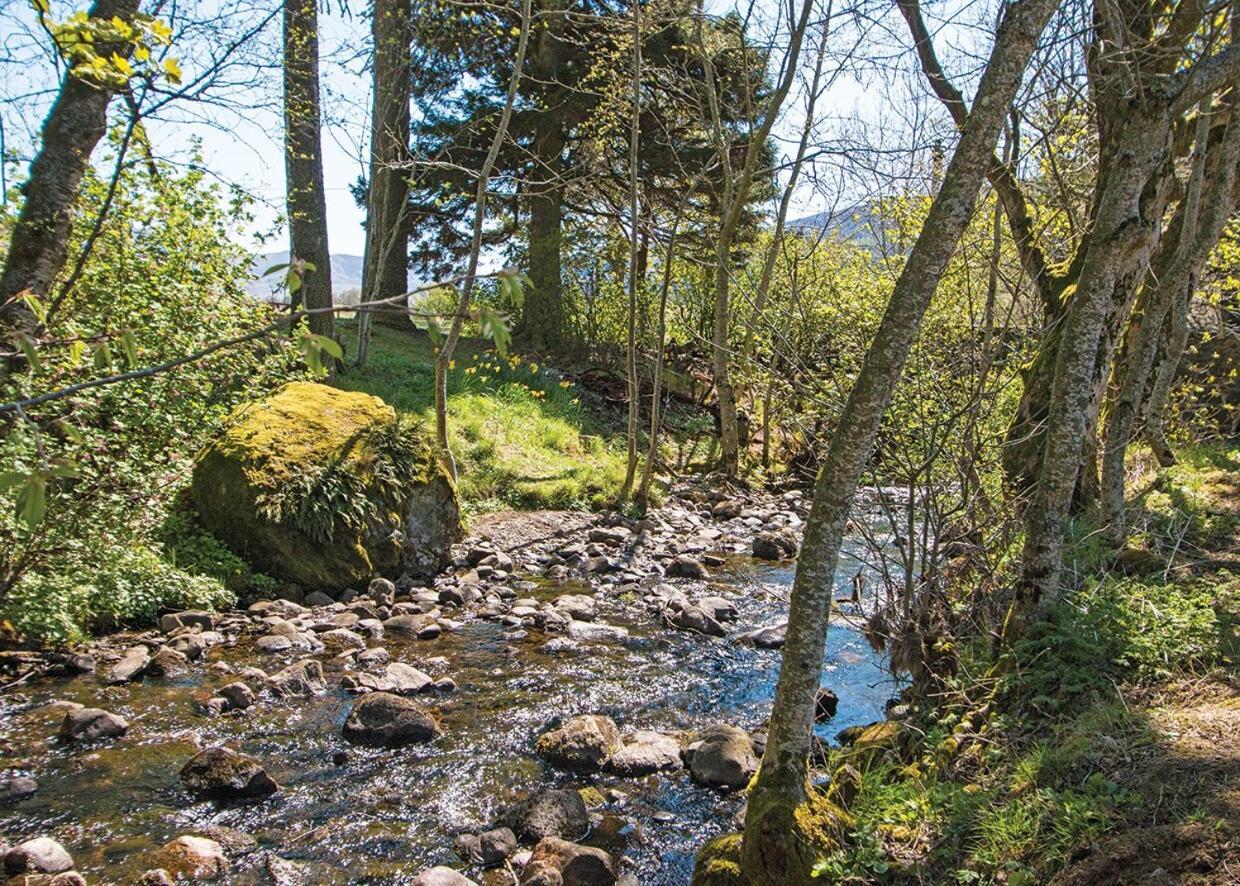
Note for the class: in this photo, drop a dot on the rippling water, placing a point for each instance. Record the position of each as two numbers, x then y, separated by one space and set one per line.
385 814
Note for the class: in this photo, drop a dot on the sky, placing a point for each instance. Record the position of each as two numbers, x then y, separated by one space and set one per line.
240 136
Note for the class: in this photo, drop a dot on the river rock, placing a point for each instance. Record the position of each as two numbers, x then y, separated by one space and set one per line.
42 855
382 592
685 566
407 680
272 643
496 845
694 618
722 757
549 813
407 528
89 724
593 630
645 752
133 664
15 788
583 743
386 720
223 774
238 695
775 546
305 678
193 858
826 703
719 608
577 606
768 636
442 876
421 627
167 661
191 618
572 864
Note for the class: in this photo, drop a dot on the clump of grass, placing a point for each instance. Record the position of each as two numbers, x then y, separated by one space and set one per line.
519 431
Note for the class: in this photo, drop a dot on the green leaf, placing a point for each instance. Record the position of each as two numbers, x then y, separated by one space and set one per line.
130 348
9 479
274 268
32 503
30 349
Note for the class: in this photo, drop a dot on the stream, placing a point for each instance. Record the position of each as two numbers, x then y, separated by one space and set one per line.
348 814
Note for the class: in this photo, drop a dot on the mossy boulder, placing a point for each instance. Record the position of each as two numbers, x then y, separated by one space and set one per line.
718 862
326 488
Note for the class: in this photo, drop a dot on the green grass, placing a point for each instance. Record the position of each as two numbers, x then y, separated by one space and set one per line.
520 434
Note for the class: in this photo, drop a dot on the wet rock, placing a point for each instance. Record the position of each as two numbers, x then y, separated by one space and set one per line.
573 864
576 606
768 636
826 703
42 855
318 598
421 627
727 509
549 813
775 546
273 643
90 724
496 845
719 608
298 680
694 618
192 618
442 876
133 664
283 872
223 774
238 695
15 788
387 720
156 877
583 743
723 757
645 752
685 566
589 630
193 858
167 661
341 639
382 592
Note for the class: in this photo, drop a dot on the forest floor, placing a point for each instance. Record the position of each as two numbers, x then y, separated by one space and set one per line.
1190 769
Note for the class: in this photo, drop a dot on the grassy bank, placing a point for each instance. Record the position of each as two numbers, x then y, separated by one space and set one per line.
521 435
1106 744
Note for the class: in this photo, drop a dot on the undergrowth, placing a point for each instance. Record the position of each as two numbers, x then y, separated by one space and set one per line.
1021 766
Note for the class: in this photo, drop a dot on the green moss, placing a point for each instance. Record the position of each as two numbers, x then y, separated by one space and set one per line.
789 841
326 488
718 862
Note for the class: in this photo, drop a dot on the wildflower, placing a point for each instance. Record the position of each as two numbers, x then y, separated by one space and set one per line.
566 384
470 370
452 364
576 400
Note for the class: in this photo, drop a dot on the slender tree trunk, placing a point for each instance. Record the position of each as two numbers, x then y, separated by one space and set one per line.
773 852
636 261
443 360
385 266
1174 340
39 244
303 162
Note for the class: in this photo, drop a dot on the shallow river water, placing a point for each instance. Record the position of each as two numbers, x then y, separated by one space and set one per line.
380 816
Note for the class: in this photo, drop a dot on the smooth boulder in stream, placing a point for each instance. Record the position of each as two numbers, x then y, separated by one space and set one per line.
222 774
723 757
382 719
268 487
583 743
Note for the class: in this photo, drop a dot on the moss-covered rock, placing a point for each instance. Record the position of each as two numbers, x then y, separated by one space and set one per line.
327 488
718 862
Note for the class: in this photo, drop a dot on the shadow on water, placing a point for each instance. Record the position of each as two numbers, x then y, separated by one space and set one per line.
383 815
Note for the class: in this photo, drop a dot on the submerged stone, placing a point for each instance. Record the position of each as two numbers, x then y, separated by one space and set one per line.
223 774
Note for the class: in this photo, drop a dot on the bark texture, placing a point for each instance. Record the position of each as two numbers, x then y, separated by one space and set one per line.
77 121
303 162
781 785
385 267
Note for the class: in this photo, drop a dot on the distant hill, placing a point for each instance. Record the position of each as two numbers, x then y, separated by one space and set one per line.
857 223
346 274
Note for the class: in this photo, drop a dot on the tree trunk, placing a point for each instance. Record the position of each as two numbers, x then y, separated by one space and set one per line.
385 266
636 261
1121 241
303 162
772 852
39 243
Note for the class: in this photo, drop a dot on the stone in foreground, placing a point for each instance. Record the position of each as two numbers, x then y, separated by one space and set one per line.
301 449
549 813
723 757
583 743
193 858
222 774
382 719
42 855
559 861
442 876
91 724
